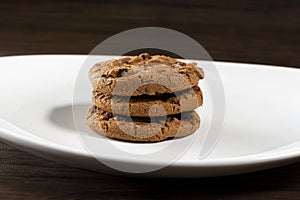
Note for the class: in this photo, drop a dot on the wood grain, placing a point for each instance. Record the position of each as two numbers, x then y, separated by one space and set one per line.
26 176
236 30
245 31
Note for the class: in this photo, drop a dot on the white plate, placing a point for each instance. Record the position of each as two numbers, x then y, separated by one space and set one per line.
261 129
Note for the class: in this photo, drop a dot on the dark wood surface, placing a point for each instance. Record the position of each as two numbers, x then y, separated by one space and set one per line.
236 30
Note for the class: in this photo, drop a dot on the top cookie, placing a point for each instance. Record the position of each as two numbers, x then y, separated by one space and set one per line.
144 74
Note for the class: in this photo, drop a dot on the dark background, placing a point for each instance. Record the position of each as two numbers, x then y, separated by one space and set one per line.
264 31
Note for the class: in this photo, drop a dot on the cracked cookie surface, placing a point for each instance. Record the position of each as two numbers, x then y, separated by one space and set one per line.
144 74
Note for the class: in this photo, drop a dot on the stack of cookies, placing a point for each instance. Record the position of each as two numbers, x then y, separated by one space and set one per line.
145 98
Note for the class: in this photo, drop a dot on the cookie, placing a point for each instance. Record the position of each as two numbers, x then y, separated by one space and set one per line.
142 129
144 74
146 105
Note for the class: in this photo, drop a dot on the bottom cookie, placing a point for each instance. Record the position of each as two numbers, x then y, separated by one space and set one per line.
142 129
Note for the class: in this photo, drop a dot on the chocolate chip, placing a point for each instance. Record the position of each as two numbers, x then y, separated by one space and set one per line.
121 71
144 56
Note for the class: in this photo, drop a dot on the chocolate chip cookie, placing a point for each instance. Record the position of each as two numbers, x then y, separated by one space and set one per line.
145 98
144 74
148 105
142 129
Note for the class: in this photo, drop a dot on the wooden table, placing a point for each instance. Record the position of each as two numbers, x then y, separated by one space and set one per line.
243 31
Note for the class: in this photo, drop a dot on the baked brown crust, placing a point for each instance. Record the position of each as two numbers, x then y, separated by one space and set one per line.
167 75
141 105
141 129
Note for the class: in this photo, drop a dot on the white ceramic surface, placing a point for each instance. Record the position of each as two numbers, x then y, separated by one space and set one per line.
261 129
